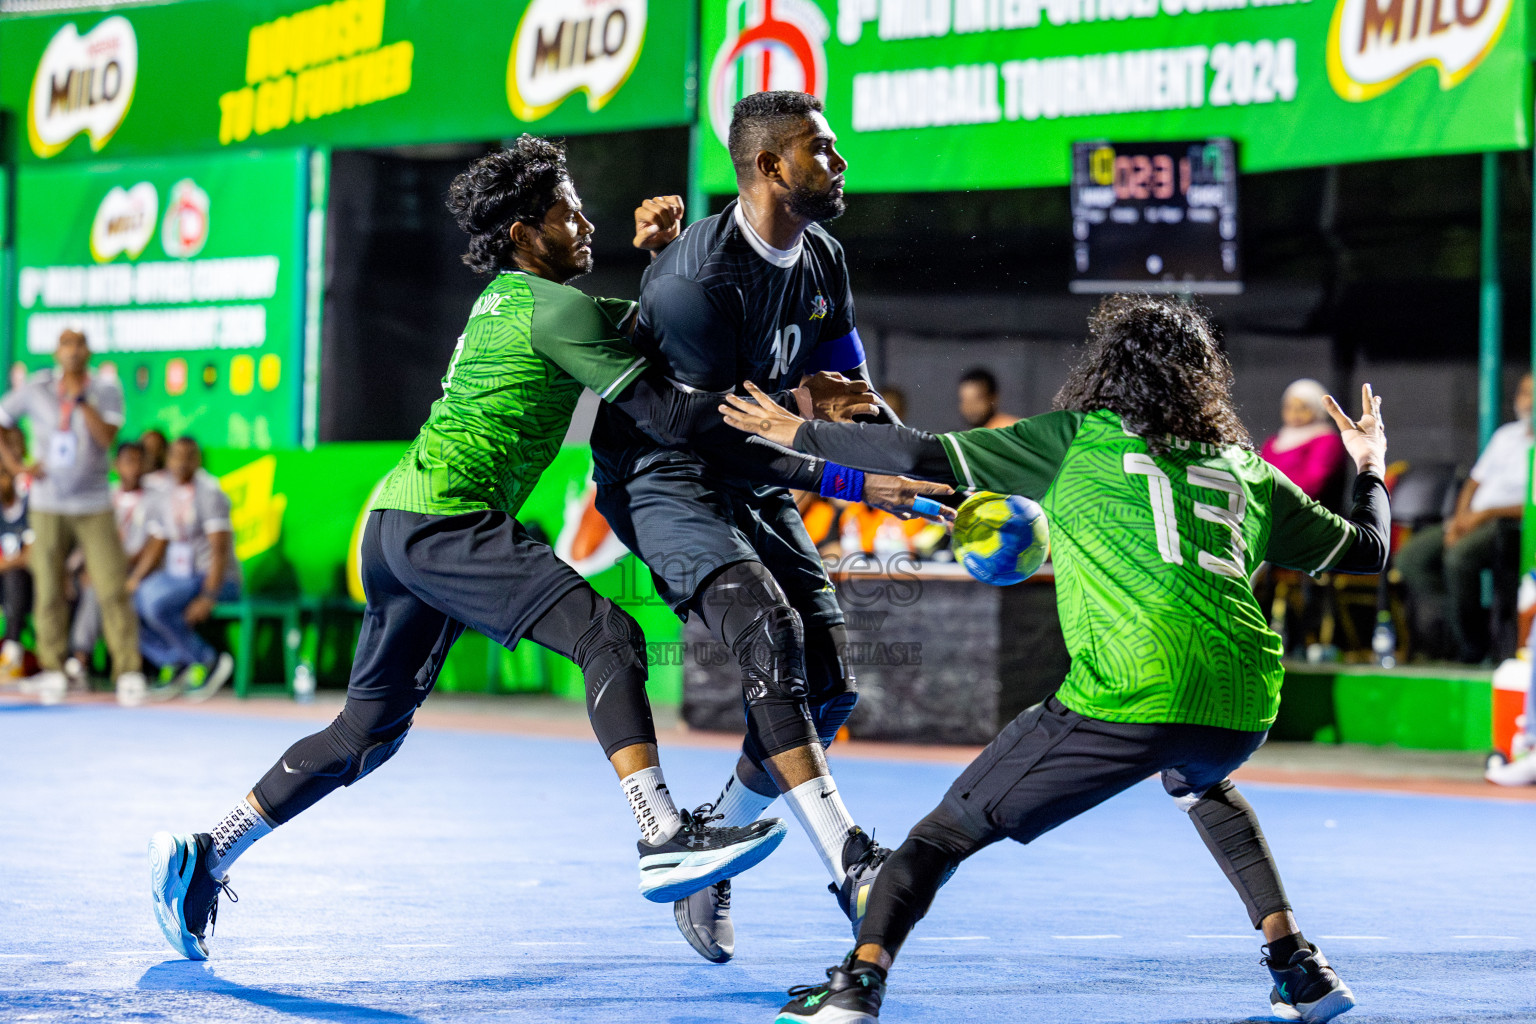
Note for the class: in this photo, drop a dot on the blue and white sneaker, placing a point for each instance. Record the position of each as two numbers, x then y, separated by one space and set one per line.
1307 989
699 855
184 891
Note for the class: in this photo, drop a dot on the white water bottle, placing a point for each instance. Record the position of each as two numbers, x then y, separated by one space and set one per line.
304 683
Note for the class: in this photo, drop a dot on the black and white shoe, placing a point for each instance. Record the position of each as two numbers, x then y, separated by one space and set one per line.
705 921
700 855
1307 989
184 891
863 858
851 995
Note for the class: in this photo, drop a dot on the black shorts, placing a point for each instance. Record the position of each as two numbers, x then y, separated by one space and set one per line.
427 577
685 527
1051 764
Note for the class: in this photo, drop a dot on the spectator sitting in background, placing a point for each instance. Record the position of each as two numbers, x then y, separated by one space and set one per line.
75 416
186 567
1308 449
128 508
978 401
15 574
155 446
1442 566
16 441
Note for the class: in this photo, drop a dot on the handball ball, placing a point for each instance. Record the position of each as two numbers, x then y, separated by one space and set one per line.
1001 539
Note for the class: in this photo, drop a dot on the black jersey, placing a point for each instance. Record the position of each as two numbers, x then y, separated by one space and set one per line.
715 310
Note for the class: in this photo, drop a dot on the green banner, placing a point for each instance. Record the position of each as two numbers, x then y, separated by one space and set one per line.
186 276
959 94
244 73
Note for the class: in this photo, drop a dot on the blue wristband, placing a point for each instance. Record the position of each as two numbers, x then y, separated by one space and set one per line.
842 483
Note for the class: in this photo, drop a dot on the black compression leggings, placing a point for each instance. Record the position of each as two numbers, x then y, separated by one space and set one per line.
914 873
585 627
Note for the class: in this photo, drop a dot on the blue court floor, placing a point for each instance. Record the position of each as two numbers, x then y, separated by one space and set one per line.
490 877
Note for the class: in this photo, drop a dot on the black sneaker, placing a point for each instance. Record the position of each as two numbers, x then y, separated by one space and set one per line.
1307 989
184 891
852 995
705 921
699 855
864 857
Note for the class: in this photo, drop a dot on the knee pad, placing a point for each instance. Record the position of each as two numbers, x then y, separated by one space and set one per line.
771 652
833 691
376 755
358 743
831 716
612 643
827 672
611 654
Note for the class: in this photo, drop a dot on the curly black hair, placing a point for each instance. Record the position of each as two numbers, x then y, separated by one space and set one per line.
519 183
1155 362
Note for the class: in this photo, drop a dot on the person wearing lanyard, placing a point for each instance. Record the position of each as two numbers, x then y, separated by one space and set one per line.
74 417
186 568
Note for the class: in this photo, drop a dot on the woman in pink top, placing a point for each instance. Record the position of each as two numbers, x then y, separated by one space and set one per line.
1307 449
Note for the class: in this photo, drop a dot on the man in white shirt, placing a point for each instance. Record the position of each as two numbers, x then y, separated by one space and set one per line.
1442 566
186 567
74 417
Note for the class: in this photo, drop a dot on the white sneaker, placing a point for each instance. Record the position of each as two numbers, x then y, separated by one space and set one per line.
1514 773
131 688
11 658
50 687
74 671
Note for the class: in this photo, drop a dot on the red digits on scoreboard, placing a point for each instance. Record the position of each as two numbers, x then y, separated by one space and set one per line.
1162 176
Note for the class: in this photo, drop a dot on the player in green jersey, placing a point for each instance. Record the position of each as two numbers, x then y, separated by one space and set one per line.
442 548
1159 512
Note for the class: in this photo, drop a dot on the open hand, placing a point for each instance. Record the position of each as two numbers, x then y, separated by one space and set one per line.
658 222
895 494
1365 439
758 414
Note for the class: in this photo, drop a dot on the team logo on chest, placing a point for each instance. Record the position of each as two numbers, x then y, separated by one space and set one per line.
820 307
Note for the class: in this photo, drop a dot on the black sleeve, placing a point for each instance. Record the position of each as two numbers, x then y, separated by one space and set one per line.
1372 515
695 340
877 448
677 418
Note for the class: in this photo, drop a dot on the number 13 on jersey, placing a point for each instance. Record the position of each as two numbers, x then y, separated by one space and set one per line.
1232 562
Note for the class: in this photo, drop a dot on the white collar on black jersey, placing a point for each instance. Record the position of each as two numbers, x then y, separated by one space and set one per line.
781 258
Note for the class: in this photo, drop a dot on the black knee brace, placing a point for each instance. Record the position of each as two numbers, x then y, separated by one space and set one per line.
611 654
744 607
363 736
1231 832
833 689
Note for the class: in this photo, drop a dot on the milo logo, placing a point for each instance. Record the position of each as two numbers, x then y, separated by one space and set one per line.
84 83
566 46
1375 44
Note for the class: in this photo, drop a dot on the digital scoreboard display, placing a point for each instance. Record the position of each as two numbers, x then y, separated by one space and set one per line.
1155 217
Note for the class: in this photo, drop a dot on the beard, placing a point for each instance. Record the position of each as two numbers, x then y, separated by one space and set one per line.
817 205
572 263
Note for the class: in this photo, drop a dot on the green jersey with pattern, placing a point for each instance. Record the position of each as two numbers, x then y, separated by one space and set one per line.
1152 556
529 349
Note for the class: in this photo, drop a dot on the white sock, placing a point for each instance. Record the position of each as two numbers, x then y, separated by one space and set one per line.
739 804
647 793
234 834
820 811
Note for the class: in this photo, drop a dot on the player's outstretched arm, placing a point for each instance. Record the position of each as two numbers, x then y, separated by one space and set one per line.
1366 438
873 447
1307 536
